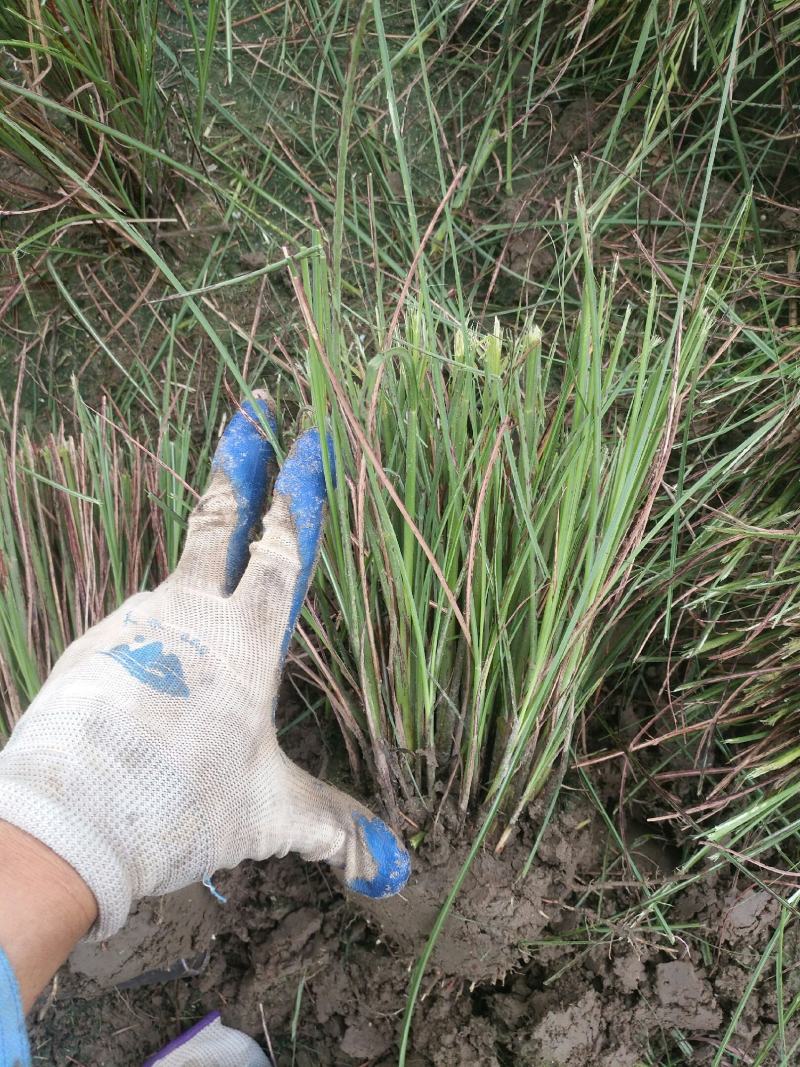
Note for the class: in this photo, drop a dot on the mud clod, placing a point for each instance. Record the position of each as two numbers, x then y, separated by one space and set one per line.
686 997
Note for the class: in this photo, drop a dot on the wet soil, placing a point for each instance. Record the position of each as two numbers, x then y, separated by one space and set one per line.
552 967
292 956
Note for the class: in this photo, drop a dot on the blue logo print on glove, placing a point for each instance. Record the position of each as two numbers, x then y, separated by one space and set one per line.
152 665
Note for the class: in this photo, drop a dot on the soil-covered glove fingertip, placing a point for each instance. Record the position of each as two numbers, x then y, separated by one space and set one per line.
390 859
245 455
302 482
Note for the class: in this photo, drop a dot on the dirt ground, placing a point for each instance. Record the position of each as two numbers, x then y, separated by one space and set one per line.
532 971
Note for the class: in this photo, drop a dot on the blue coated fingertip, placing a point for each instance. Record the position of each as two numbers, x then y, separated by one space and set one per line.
391 859
244 454
302 480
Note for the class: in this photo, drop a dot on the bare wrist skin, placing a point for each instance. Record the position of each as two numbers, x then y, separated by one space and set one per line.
45 909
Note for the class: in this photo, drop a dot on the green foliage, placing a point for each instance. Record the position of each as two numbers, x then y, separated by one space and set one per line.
88 516
603 487
465 643
97 60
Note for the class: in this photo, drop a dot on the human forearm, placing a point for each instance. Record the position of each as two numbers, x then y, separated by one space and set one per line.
45 909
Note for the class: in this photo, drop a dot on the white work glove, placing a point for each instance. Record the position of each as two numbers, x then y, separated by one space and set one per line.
149 759
210 1044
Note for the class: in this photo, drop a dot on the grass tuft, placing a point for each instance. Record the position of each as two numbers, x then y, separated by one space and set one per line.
564 401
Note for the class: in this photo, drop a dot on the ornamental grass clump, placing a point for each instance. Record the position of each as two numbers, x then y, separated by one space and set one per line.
89 515
495 491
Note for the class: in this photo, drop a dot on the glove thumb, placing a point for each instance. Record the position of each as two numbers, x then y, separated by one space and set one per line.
326 824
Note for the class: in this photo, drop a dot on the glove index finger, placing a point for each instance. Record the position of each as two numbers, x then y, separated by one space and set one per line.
282 562
222 524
